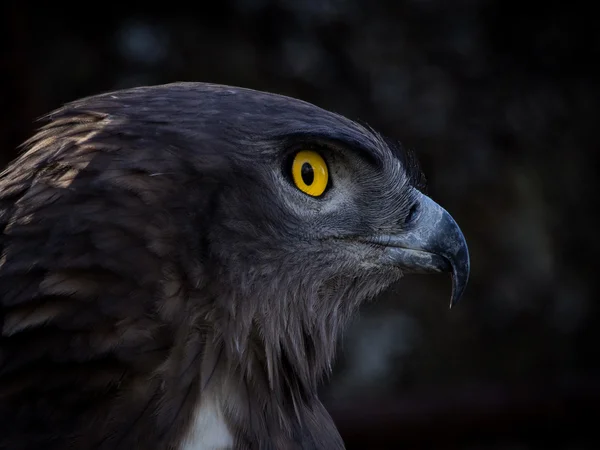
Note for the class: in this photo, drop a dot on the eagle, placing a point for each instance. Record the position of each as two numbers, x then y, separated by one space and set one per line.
178 262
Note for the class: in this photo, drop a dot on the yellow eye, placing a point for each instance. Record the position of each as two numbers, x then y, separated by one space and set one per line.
310 173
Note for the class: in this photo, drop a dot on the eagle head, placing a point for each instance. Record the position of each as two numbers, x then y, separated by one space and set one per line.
183 253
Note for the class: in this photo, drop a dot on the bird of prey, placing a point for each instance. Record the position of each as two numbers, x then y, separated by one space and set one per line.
178 261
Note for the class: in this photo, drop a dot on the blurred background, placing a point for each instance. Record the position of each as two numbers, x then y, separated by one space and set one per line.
500 101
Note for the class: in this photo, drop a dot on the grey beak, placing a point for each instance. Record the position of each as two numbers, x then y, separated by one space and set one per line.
432 242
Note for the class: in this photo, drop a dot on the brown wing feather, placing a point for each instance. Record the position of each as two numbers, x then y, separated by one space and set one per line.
85 256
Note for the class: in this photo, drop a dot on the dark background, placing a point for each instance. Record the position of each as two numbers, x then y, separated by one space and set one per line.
500 101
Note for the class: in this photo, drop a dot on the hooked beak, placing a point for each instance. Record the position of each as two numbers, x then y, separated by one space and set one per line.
432 243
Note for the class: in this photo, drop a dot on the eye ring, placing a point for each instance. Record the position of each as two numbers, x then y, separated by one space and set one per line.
310 173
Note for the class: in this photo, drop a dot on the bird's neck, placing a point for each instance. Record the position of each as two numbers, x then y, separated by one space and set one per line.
239 408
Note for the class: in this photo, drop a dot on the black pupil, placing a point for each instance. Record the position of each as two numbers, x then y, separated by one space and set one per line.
307 173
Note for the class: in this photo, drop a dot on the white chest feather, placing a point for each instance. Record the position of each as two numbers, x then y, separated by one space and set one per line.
208 430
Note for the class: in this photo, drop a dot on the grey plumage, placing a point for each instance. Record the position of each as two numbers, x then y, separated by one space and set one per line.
156 254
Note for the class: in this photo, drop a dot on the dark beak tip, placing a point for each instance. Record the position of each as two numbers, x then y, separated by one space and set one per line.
454 300
460 278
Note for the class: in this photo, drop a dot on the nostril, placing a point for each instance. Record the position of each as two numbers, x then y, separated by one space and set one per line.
412 212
